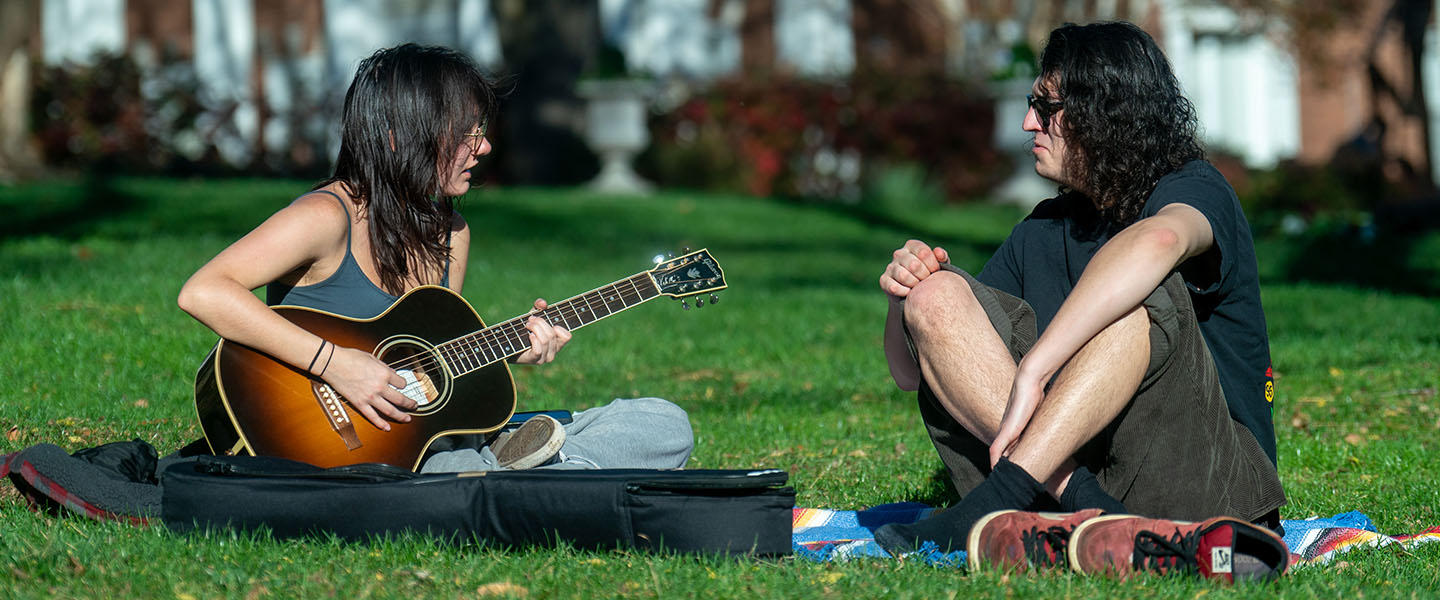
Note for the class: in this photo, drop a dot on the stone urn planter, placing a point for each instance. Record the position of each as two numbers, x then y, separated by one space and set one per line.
616 130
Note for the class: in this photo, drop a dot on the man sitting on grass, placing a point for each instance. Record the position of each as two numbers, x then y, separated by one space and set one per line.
1148 387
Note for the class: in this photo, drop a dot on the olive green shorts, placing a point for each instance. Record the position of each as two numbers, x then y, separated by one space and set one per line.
1173 452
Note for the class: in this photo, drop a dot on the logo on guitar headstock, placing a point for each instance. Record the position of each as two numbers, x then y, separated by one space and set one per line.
693 273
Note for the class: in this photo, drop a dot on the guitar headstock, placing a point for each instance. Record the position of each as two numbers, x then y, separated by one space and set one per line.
688 275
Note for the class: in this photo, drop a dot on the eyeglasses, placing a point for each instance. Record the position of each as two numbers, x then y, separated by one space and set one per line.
1044 109
476 138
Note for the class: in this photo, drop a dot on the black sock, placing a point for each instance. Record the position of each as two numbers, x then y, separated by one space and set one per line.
1007 487
1084 492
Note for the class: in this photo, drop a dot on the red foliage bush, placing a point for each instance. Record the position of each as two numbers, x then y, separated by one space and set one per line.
794 137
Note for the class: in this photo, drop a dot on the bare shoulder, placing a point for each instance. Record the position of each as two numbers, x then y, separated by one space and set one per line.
458 225
459 233
320 206
315 215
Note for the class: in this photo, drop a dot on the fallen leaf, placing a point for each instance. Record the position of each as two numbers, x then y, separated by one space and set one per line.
13 433
1354 439
142 403
1300 420
1336 372
858 454
257 592
76 567
832 577
900 448
502 588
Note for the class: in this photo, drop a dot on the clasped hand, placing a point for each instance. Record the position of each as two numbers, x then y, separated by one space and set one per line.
910 265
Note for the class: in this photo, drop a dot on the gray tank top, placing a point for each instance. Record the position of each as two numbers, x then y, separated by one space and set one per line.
347 292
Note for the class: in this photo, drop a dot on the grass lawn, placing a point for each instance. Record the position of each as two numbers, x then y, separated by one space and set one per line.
785 372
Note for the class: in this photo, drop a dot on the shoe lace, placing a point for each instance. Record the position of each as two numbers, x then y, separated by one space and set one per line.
1162 554
1042 546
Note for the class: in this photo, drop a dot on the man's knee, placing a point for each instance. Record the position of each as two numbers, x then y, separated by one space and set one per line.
936 299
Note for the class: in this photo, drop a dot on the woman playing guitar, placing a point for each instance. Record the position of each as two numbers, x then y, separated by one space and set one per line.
384 224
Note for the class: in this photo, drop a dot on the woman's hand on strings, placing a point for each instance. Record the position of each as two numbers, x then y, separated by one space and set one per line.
369 385
545 339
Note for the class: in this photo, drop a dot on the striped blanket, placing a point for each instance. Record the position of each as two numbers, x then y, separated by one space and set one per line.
823 534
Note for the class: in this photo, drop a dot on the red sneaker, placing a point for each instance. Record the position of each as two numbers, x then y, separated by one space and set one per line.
1023 541
1221 548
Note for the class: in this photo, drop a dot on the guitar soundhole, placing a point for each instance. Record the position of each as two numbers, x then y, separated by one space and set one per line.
427 378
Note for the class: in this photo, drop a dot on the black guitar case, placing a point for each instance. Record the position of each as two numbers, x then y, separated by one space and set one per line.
704 511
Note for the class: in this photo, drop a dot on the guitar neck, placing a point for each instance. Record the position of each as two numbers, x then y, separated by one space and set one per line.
499 342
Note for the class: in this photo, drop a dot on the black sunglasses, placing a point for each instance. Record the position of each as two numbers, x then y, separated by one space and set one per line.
1045 109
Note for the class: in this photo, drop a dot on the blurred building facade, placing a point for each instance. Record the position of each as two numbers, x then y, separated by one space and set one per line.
268 69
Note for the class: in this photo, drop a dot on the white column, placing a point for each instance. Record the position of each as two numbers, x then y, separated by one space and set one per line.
225 66
815 36
479 34
675 37
75 30
1430 74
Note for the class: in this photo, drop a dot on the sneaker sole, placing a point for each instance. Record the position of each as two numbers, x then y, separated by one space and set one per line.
525 438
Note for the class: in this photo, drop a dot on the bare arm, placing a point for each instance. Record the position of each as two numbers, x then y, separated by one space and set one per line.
1124 272
908 266
310 232
459 252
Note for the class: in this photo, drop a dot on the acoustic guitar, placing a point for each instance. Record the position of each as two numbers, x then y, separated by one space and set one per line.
454 366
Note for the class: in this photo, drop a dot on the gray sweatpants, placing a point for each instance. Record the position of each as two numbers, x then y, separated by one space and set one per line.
637 433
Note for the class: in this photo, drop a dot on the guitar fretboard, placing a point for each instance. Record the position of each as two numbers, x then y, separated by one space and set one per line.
493 344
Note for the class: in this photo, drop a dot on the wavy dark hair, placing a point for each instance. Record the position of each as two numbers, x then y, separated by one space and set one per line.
1126 122
406 115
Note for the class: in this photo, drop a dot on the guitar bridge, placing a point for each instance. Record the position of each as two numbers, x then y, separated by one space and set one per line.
336 414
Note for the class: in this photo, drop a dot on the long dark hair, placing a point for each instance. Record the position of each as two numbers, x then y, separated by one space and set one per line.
406 114
1126 122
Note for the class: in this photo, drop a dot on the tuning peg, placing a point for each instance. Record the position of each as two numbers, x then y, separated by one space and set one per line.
699 302
684 305
714 299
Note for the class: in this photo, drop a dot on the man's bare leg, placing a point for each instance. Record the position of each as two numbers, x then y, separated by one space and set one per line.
964 360
1089 393
970 371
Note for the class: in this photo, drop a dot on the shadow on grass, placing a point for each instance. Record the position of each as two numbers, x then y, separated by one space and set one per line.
1388 263
812 260
65 212
939 492
885 220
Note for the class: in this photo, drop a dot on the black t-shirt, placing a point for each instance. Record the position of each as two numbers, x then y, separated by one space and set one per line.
1046 253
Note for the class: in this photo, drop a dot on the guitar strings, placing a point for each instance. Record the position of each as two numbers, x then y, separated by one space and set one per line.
567 311
518 335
